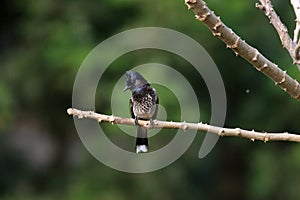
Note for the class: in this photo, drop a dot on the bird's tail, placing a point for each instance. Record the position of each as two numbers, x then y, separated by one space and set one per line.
141 140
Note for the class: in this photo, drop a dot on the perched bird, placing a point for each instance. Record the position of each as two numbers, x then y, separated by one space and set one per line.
143 105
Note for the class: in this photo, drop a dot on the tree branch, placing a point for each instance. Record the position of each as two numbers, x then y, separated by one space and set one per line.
237 132
296 6
241 48
286 41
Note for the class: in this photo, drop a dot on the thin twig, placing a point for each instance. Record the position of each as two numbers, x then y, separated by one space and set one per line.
296 6
241 48
287 42
252 135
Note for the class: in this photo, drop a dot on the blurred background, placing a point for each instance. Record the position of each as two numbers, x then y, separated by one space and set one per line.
42 44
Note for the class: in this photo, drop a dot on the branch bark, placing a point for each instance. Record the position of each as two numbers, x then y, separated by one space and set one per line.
241 48
236 132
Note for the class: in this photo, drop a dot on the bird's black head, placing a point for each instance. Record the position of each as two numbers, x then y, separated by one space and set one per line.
134 80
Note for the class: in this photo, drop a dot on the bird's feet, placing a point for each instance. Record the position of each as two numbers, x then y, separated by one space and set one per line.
151 123
136 121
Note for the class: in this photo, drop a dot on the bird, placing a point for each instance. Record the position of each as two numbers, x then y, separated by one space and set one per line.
143 106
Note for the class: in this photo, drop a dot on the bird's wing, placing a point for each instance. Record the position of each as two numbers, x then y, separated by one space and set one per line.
131 108
156 104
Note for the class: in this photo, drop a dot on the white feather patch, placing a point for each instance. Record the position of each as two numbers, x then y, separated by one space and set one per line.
141 148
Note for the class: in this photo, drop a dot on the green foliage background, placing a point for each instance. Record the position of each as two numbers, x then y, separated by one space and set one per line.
42 44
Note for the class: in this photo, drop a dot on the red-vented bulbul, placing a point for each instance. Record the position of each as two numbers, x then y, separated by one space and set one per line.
143 105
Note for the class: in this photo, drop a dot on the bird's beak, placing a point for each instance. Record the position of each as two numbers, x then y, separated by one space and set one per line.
126 88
